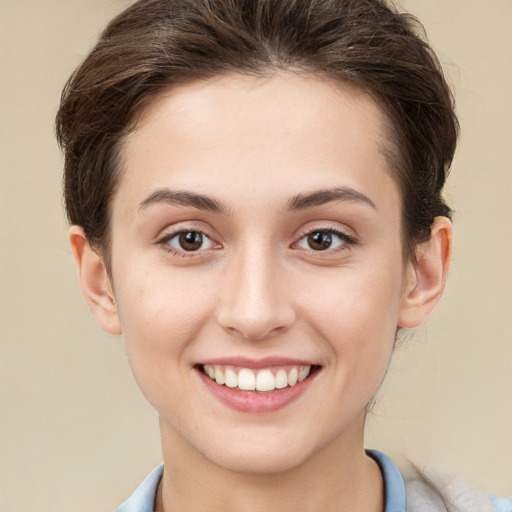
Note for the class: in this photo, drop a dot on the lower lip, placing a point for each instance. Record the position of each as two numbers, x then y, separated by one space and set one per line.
254 401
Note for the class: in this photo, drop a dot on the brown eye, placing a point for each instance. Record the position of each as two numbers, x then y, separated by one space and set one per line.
319 240
190 240
328 240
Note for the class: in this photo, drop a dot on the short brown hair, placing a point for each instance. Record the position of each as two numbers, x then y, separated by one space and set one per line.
155 44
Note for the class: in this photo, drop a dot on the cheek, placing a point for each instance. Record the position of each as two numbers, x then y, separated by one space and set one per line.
356 314
357 298
160 313
161 316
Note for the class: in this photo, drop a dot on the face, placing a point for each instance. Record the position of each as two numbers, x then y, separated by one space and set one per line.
256 243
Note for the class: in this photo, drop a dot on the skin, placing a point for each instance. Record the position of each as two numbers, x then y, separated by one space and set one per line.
255 147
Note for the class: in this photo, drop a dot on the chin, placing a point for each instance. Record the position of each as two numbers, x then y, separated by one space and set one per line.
266 451
258 462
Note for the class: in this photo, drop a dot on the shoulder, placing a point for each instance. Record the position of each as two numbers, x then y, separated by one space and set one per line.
427 489
431 489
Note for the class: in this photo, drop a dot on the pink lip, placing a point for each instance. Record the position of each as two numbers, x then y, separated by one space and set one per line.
256 364
254 401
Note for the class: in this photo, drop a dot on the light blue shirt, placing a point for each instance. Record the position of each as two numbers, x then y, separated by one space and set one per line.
143 499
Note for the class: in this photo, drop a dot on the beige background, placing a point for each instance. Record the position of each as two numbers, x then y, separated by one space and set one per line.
76 433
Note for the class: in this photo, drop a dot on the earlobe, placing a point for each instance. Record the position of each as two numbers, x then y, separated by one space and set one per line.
426 275
95 281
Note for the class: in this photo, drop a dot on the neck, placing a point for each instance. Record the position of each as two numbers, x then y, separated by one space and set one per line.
338 478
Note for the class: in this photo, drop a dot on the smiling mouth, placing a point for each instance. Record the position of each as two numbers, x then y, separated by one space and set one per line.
263 380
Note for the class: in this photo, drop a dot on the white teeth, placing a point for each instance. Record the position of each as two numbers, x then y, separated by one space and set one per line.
292 377
246 380
265 381
304 372
231 379
219 376
281 379
262 380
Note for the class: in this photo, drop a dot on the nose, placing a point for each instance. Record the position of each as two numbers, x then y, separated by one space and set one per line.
254 299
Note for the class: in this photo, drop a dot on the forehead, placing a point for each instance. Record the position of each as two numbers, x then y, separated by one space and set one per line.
280 133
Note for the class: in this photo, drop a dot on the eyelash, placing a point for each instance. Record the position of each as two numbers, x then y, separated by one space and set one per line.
165 242
345 241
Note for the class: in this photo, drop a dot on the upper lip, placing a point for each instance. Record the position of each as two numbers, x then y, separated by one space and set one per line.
256 364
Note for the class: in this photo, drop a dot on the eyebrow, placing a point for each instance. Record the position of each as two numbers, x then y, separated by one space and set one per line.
298 202
320 197
184 198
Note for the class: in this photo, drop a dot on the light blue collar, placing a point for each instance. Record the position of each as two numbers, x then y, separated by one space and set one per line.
143 499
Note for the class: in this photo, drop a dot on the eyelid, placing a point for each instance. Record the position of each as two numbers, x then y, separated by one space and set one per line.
326 226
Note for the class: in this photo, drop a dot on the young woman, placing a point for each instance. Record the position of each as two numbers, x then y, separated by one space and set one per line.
254 190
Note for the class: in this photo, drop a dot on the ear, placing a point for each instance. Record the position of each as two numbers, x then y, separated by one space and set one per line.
95 281
426 275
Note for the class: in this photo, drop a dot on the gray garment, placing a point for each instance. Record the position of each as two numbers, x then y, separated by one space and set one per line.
431 489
